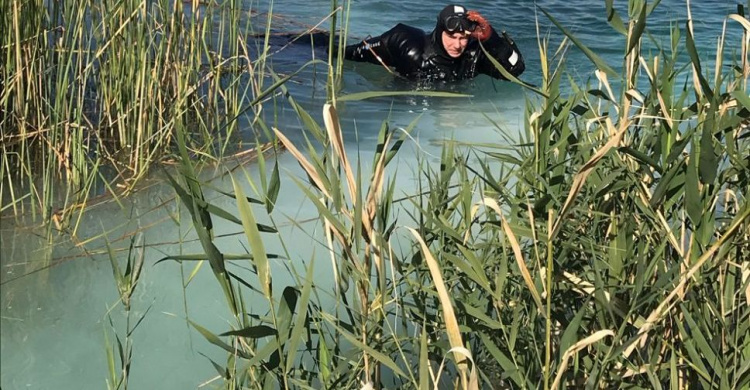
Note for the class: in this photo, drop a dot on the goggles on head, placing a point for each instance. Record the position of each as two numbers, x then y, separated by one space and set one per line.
459 22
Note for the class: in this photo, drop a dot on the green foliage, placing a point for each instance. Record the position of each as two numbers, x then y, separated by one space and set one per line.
94 94
607 249
126 281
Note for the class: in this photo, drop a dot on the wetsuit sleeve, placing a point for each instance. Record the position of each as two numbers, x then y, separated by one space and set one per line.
505 51
395 48
369 50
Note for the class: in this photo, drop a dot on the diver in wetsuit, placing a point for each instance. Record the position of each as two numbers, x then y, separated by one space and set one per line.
450 52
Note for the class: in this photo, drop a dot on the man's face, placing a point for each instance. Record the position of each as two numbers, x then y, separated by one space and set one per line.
455 43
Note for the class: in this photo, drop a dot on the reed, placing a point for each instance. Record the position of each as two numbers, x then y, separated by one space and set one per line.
606 249
94 92
126 281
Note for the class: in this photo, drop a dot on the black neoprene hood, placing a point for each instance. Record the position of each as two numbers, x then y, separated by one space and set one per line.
449 10
436 36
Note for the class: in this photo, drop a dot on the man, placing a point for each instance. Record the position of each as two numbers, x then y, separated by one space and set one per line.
450 52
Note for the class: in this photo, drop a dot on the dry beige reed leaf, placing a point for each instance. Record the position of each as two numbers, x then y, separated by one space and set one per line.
302 161
586 170
333 126
473 213
680 290
744 22
640 370
473 383
491 203
367 386
583 286
745 276
449 316
602 76
645 195
575 348
334 263
378 178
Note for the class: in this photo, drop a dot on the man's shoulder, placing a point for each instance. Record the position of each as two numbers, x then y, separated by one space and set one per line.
405 31
410 29
406 44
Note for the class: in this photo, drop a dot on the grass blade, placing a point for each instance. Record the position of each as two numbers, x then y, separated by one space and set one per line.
260 259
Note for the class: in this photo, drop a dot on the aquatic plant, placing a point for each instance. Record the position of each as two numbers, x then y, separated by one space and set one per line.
93 93
608 248
126 281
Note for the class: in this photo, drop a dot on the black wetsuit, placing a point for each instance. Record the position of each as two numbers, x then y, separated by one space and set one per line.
420 56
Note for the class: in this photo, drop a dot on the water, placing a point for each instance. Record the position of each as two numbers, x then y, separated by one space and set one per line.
53 321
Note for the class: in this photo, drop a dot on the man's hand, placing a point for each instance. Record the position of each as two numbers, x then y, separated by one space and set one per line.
483 30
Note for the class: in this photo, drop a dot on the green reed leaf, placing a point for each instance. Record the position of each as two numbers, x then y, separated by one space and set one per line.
695 59
109 348
742 98
324 360
265 352
252 233
642 157
261 161
704 347
307 120
357 343
117 273
221 213
215 340
635 37
322 209
252 332
651 7
400 140
614 18
229 194
298 330
261 96
479 315
284 314
665 183
509 368
203 225
696 361
359 205
221 370
598 61
509 76
570 335
203 256
194 272
693 203
709 162
273 188
474 269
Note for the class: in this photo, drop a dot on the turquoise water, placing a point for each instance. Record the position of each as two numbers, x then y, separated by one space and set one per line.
53 321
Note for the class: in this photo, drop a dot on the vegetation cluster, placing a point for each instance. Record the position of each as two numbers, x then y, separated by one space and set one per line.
606 248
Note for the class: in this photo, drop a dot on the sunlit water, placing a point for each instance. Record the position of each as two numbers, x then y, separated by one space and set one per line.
54 321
